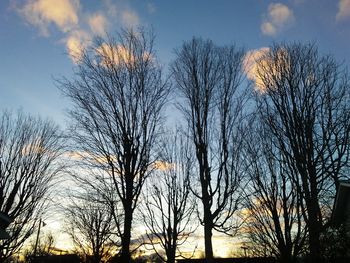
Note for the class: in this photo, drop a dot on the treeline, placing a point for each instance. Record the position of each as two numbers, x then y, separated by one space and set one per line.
260 157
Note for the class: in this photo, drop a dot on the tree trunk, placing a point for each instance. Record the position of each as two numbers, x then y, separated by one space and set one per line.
286 256
314 226
171 252
206 199
208 244
208 228
125 254
314 240
171 255
96 258
315 220
208 221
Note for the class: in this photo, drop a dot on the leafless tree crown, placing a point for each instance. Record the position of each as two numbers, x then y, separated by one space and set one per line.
29 151
118 96
209 80
169 205
304 102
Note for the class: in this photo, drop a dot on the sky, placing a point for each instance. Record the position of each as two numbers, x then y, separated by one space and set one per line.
38 37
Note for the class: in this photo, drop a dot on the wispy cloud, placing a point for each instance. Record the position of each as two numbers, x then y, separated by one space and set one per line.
75 43
151 8
63 14
123 14
111 8
343 10
43 13
98 24
111 55
78 27
278 18
130 18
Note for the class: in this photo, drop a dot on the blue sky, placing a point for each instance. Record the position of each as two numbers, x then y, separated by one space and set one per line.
35 35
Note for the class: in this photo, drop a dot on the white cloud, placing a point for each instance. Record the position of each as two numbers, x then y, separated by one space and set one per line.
110 55
268 29
42 13
343 9
98 24
263 66
251 66
278 18
75 44
279 13
113 55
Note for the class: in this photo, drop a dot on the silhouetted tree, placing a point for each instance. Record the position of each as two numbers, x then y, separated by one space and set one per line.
168 204
208 79
44 247
274 225
304 102
89 223
118 95
29 161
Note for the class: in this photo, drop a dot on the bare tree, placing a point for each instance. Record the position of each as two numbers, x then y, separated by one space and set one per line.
209 80
274 225
118 95
304 102
44 247
91 227
168 205
29 160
